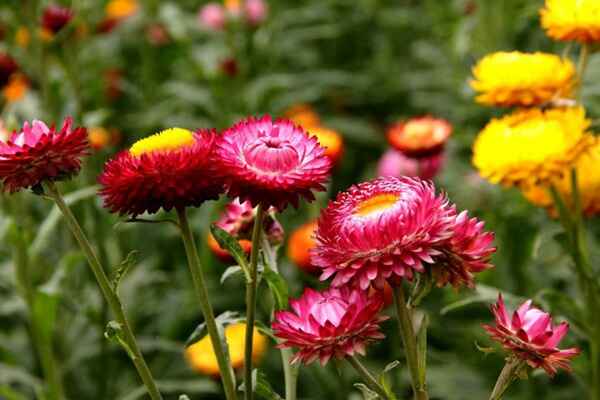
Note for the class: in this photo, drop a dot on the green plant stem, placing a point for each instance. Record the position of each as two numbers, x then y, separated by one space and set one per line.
251 288
584 58
107 291
367 377
506 377
409 340
191 251
290 374
42 344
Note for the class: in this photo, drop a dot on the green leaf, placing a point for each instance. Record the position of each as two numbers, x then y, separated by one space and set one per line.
422 348
262 387
367 393
184 397
7 393
230 272
485 350
224 319
122 269
483 294
278 287
44 313
229 243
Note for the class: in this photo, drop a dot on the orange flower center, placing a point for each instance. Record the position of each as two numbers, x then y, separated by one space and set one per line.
418 132
376 204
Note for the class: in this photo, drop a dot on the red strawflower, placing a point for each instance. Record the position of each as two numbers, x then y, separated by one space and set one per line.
56 17
271 163
385 229
337 322
38 153
8 66
420 137
172 169
530 336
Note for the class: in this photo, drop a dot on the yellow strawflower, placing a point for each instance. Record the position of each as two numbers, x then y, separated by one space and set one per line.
121 9
202 358
522 79
577 20
531 146
588 182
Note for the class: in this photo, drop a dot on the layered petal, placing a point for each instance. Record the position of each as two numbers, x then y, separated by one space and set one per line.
572 20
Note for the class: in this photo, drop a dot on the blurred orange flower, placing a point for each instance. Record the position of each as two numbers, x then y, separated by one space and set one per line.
301 242
16 88
421 136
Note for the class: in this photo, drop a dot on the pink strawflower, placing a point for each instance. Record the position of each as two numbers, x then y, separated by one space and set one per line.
530 336
56 17
394 163
238 220
212 16
273 163
333 323
255 11
38 153
388 228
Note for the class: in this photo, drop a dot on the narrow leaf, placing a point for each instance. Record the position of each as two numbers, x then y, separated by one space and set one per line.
422 348
230 272
229 243
122 269
278 287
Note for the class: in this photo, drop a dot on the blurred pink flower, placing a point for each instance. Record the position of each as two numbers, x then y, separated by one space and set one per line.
256 11
394 163
212 16
238 220
530 336
333 323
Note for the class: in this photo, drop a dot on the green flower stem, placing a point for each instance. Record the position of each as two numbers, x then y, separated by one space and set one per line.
290 374
251 288
42 344
367 377
507 376
409 340
227 376
584 58
107 291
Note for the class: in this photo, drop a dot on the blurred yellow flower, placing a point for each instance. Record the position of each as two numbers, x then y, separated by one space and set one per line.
577 20
522 79
16 88
233 6
99 138
531 146
22 37
303 115
202 358
330 139
121 9
588 181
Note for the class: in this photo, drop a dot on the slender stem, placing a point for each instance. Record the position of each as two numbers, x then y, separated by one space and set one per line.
107 291
506 377
41 342
581 67
290 374
191 251
367 377
409 340
251 287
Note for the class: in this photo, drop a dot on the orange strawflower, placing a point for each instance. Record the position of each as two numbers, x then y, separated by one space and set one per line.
303 115
331 140
301 242
223 254
421 136
16 88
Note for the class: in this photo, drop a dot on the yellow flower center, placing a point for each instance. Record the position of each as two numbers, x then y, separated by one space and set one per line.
417 130
167 140
376 204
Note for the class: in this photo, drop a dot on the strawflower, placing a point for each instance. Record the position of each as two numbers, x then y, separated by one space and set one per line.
37 153
333 323
303 115
331 140
212 17
201 355
572 20
55 18
16 88
273 163
255 11
530 336
396 164
121 9
419 137
171 169
389 228
522 79
531 146
299 246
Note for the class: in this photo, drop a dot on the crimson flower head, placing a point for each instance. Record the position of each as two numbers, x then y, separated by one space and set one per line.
530 336
273 163
56 17
38 153
337 322
171 169
388 228
8 66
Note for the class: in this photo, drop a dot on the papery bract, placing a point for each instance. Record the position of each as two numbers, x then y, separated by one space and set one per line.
333 323
389 228
38 153
530 336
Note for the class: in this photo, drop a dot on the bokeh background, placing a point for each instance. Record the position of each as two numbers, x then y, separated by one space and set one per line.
362 64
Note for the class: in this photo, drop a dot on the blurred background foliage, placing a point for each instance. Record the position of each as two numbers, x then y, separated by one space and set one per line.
362 64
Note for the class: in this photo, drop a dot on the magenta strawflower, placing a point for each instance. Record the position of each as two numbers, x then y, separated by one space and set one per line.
388 228
395 163
530 336
273 163
212 16
337 322
38 153
238 220
171 169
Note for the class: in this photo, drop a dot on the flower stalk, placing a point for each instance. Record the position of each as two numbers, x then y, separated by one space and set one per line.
508 375
409 340
225 368
108 292
367 377
251 289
